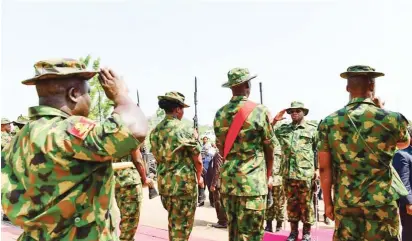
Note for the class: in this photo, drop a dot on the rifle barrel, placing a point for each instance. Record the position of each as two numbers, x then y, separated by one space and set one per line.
261 94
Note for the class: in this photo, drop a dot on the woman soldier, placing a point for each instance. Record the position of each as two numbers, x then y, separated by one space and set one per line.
179 169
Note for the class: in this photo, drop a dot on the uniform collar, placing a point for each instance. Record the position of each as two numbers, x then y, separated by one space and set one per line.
238 98
170 117
361 100
42 110
301 125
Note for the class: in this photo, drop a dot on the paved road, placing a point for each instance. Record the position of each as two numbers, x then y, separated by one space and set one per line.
153 223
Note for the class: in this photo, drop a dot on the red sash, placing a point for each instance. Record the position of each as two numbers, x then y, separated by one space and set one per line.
236 125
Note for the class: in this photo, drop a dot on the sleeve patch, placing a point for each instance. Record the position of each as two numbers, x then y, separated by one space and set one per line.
81 128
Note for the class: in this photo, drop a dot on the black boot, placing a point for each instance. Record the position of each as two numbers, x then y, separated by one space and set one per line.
294 232
269 226
5 218
278 226
306 232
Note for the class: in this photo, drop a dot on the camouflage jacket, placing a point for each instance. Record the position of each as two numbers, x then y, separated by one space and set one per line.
173 147
58 178
298 147
5 139
362 180
128 176
243 173
276 174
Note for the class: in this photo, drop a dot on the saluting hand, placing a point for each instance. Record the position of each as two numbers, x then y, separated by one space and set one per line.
279 116
379 102
113 86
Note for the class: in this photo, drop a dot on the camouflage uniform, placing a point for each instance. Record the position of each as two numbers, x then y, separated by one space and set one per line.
364 202
5 136
277 210
129 196
173 147
57 172
243 174
298 168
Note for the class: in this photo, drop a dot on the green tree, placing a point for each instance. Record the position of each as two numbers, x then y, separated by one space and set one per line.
101 106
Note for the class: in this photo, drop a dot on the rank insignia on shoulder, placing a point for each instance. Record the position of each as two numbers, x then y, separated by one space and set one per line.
81 128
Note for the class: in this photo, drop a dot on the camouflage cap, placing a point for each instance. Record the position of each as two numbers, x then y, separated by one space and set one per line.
237 76
5 121
22 120
356 70
174 96
297 105
58 68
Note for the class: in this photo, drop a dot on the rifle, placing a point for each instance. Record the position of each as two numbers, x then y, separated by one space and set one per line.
269 199
152 191
195 120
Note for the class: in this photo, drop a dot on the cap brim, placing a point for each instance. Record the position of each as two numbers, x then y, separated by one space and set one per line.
345 75
84 75
305 111
162 97
228 85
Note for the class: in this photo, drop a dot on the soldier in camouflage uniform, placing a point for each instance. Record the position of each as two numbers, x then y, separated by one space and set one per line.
129 196
298 141
6 135
179 166
246 172
277 210
57 172
356 147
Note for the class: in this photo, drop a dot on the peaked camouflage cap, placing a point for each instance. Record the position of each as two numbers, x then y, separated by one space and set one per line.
58 68
297 105
174 96
237 76
356 70
5 121
22 120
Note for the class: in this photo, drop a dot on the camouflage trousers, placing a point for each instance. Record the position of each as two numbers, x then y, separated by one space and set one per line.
181 215
129 201
299 196
277 210
245 217
367 223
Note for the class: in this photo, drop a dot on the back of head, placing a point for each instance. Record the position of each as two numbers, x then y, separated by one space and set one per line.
169 105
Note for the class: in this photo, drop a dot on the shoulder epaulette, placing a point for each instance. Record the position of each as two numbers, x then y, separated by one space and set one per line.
81 127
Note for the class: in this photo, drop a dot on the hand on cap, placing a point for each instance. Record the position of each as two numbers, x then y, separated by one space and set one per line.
279 116
113 86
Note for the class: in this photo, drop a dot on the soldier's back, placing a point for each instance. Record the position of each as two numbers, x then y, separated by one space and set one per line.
362 139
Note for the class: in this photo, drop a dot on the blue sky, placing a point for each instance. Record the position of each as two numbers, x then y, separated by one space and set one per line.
298 48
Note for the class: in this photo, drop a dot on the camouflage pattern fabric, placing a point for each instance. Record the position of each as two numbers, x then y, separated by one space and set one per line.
361 180
244 171
5 121
236 76
129 200
298 146
181 215
62 188
174 96
249 213
173 147
299 196
367 223
5 139
129 196
277 210
128 176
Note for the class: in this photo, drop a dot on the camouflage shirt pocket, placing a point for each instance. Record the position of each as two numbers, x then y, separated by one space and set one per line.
256 203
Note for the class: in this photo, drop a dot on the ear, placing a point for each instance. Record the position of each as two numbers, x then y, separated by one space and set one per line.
73 94
371 86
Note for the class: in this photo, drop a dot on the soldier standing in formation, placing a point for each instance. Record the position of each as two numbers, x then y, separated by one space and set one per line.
62 188
298 141
247 169
6 134
129 194
179 166
277 210
356 147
